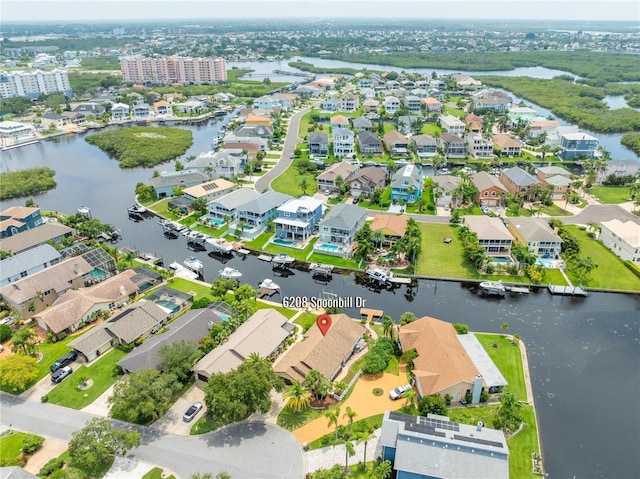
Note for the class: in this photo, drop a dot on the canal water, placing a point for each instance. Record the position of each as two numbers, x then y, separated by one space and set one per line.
583 353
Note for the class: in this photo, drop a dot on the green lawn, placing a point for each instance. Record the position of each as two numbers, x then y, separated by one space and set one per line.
393 367
306 320
555 210
508 359
333 260
370 423
427 194
101 372
157 473
259 241
187 286
300 254
611 195
431 129
289 181
11 444
611 273
162 208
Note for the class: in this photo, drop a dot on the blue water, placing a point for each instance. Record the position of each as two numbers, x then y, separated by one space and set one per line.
328 246
216 221
168 304
222 316
546 263
282 242
501 259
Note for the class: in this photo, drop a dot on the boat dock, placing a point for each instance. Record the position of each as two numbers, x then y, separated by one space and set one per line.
265 257
517 289
370 314
266 292
399 280
567 290
320 269
243 251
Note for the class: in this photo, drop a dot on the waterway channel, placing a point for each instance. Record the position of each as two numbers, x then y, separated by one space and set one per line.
583 353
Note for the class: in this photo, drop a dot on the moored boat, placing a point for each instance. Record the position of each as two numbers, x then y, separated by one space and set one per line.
137 209
182 272
229 273
378 274
220 245
493 288
269 284
194 264
283 258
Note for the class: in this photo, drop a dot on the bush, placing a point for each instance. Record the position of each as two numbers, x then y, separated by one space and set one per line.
51 466
374 363
461 328
468 397
484 396
12 461
31 443
5 332
44 398
433 404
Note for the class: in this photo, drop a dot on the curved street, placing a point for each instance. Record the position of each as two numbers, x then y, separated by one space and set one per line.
244 450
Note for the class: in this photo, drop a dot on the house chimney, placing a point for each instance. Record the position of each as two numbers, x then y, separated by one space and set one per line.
477 389
479 426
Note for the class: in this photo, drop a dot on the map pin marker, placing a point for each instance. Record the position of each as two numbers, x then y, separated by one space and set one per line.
324 323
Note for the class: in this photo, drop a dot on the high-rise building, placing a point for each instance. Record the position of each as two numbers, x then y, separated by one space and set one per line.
174 69
34 83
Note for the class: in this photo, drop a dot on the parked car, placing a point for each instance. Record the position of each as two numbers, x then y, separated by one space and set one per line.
192 411
485 209
64 360
327 192
399 391
60 374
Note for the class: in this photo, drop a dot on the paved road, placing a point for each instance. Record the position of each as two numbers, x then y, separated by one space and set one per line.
246 450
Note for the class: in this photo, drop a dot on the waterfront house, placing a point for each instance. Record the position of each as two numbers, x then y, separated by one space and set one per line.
327 179
369 143
327 352
141 111
519 182
538 127
343 142
368 94
448 363
338 228
393 227
318 143
73 117
53 232
490 190
263 333
17 219
272 102
260 131
36 292
250 143
453 146
432 105
505 145
521 114
577 144
396 143
162 107
191 106
424 146
166 182
120 111
391 104
13 132
361 123
407 184
536 235
435 447
54 120
259 120
226 206
209 190
492 235
298 218
365 180
465 82
622 237
227 163
445 190
452 124
473 123
492 100
89 109
257 212
28 262
75 308
480 146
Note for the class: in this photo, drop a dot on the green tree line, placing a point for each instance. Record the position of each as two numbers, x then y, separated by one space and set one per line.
16 184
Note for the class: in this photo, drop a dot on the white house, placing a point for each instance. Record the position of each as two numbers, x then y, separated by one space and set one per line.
623 238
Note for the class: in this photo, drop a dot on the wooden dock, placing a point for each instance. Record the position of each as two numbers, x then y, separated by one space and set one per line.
370 314
266 292
517 289
567 290
243 251
398 280
265 257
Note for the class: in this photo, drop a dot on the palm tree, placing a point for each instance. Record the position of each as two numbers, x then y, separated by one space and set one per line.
505 327
297 396
363 438
333 419
421 204
377 237
350 414
410 398
584 265
381 471
25 341
387 326
313 380
594 227
254 358
304 184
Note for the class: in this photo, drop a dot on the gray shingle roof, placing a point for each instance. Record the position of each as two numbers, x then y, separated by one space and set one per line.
368 138
534 229
343 216
520 177
34 237
321 138
265 202
235 198
188 177
135 320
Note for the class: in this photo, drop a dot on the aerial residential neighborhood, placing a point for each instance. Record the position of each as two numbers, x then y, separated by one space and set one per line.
325 250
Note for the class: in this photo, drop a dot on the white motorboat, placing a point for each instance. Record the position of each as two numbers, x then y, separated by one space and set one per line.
194 264
283 258
182 272
220 245
321 269
378 274
493 288
269 284
229 273
137 209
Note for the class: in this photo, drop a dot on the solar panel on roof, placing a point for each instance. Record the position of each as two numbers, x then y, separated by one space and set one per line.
476 440
209 186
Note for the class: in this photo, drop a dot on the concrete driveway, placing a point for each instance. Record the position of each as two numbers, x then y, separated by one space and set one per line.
172 421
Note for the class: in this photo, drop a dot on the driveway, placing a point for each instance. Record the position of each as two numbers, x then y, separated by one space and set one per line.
172 421
244 450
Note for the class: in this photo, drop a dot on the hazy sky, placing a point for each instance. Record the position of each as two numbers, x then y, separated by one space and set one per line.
56 10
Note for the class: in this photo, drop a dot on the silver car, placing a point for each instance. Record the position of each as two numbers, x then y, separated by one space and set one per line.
193 410
399 391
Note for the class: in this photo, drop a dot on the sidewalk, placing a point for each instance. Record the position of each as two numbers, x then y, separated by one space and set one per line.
327 457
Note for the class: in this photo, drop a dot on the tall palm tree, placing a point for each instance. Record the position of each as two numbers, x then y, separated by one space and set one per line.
304 184
410 398
350 414
363 438
349 451
377 237
313 380
584 265
333 419
387 326
297 396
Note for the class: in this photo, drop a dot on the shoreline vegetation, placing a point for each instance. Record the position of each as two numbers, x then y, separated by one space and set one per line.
142 146
27 182
631 141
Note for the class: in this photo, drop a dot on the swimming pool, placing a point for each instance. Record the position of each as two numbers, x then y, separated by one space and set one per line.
282 242
546 263
327 246
216 221
224 317
168 305
501 259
